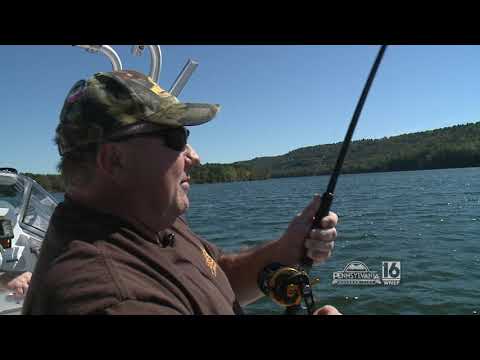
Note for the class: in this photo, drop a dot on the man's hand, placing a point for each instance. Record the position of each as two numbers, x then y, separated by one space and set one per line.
301 239
327 310
20 284
242 269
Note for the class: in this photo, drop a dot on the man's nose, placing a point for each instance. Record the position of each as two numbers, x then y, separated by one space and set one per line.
192 155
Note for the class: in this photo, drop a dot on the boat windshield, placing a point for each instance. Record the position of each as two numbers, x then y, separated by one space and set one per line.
39 209
11 189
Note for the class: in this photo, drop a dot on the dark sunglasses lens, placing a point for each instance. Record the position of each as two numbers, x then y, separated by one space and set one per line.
177 139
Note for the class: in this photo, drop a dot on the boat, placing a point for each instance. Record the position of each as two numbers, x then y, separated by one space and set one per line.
25 211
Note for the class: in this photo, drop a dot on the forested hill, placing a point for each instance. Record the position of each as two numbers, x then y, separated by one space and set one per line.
456 146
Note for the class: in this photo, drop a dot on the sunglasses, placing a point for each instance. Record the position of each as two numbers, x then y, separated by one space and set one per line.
175 139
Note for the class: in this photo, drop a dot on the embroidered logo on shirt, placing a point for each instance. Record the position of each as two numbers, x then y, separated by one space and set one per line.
212 265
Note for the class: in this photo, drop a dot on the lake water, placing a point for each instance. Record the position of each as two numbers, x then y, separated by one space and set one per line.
427 220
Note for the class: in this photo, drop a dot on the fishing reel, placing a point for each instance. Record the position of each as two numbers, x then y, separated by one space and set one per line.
287 286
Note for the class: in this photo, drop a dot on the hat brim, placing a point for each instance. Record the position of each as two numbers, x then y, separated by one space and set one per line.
181 114
185 114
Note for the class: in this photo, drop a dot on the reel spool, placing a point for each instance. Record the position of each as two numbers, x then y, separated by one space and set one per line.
286 286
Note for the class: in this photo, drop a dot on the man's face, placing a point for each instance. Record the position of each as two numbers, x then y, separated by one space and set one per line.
156 177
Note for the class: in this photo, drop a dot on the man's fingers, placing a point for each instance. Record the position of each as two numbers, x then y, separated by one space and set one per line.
20 284
320 246
19 291
327 310
319 256
329 221
319 236
12 284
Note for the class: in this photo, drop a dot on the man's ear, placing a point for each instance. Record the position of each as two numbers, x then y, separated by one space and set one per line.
110 160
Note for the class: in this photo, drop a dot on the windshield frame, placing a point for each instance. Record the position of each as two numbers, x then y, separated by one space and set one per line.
30 183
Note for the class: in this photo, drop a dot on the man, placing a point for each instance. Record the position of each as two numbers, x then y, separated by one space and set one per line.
118 243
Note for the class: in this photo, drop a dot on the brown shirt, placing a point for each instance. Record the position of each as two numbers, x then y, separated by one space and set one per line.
94 263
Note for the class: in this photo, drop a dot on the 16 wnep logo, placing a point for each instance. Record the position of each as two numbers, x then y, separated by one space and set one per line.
358 274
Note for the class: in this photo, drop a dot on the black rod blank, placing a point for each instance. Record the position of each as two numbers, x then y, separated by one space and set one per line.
327 197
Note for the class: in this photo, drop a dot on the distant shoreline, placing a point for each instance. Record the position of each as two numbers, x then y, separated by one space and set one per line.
62 190
342 174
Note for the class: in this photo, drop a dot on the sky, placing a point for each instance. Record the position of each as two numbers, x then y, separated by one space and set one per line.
274 99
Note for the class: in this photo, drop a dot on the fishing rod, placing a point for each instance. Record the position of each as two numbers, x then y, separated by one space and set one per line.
288 286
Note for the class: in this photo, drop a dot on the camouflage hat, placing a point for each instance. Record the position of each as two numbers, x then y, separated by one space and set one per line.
122 103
